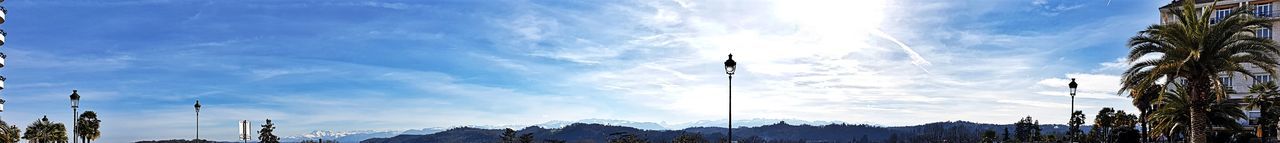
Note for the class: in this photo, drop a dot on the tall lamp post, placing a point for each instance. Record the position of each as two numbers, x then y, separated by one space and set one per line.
75 104
729 67
1073 86
1 105
197 119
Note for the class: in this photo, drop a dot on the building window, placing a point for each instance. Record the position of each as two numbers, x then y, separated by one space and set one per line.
1262 78
1218 15
1263 33
1262 10
1226 82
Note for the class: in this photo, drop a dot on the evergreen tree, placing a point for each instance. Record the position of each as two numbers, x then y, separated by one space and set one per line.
526 138
1026 129
508 136
624 137
689 138
1036 128
265 136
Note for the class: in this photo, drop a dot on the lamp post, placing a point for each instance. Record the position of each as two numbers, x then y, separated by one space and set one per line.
197 119
1 106
729 67
1073 86
75 104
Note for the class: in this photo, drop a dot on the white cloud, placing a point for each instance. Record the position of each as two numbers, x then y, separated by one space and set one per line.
1119 64
1047 8
1039 2
1087 82
260 74
815 61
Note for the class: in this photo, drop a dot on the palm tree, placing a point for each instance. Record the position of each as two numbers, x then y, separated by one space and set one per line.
1265 101
1143 102
44 131
1172 119
9 133
87 126
1197 52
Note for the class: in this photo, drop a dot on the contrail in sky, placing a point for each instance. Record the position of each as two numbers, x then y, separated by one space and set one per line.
916 59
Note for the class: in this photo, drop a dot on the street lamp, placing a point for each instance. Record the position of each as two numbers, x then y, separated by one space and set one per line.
729 67
1073 86
1 105
75 103
197 119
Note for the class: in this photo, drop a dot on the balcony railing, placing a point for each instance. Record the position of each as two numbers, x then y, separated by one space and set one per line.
1213 19
1267 14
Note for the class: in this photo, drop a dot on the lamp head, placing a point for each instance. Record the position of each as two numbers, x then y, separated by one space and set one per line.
1073 86
730 66
75 98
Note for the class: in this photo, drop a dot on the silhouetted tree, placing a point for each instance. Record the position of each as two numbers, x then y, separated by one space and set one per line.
690 138
989 136
1265 100
87 126
1124 127
1077 119
1102 124
1145 101
9 133
624 137
265 136
526 138
44 131
1027 129
508 136
753 139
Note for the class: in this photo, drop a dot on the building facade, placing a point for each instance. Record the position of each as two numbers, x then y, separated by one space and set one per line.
1238 83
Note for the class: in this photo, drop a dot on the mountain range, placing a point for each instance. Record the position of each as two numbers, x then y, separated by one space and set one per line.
951 131
357 136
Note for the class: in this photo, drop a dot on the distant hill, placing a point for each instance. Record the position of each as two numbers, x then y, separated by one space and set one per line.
955 131
360 135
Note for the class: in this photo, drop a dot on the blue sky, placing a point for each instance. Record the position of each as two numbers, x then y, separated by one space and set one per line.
382 65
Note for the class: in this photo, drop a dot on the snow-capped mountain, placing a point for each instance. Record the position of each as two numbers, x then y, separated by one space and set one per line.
356 136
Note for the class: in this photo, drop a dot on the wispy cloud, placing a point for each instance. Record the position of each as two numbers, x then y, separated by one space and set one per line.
344 65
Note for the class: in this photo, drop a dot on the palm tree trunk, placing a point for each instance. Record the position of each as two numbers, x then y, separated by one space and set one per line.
1142 119
1199 128
1261 126
1199 125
